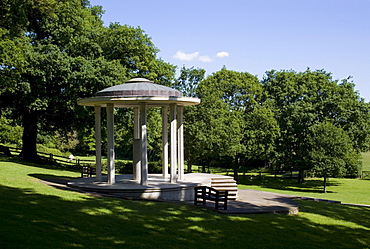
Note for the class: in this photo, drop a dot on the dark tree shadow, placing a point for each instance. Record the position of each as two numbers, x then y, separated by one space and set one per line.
34 220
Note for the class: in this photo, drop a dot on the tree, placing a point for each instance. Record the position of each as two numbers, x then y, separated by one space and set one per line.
189 80
331 152
234 120
58 52
187 83
303 99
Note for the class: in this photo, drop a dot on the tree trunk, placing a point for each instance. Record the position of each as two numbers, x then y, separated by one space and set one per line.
204 168
236 168
190 165
29 122
324 184
301 176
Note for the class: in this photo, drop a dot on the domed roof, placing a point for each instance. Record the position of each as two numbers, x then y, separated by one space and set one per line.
139 87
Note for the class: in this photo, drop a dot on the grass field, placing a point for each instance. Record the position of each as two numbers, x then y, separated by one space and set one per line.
36 215
366 161
339 189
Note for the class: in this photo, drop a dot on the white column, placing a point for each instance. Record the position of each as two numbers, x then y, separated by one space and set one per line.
97 109
165 141
180 142
136 146
144 148
110 128
173 161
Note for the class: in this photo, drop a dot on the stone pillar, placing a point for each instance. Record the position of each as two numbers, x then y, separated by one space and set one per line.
97 109
144 148
180 142
136 146
173 162
110 128
165 141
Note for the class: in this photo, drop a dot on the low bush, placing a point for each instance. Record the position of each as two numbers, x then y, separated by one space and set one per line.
42 148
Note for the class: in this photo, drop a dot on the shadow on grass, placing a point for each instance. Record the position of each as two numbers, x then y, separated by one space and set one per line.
53 179
310 186
61 219
33 220
45 165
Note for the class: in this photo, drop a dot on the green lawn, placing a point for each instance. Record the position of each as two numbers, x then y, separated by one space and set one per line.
35 215
344 190
366 161
338 189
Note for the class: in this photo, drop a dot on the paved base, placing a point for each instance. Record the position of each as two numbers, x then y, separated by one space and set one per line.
259 202
158 188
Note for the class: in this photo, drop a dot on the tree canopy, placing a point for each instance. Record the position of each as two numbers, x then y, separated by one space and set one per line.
54 52
304 99
331 152
226 123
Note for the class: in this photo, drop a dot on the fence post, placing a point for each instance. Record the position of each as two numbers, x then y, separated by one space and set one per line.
51 156
244 175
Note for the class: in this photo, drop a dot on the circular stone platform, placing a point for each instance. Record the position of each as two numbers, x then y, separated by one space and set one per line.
248 201
157 188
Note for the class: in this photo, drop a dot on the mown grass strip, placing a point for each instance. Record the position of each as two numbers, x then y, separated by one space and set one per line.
35 215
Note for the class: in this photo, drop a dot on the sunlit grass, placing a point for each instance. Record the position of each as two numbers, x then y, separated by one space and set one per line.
338 189
366 161
35 215
354 191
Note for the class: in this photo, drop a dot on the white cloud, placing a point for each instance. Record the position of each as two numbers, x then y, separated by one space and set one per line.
205 58
222 54
185 57
196 56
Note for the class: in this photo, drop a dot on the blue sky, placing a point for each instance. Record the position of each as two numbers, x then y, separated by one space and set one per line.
255 36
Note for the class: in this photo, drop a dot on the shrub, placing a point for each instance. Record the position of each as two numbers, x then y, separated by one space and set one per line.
42 148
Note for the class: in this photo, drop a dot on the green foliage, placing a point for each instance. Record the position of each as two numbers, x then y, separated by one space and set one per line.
55 52
189 79
42 148
10 133
304 99
332 154
233 121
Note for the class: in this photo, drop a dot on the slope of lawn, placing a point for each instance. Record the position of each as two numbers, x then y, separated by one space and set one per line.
36 215
354 191
366 161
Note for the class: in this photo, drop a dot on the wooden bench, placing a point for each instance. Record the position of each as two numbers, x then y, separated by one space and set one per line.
87 171
204 193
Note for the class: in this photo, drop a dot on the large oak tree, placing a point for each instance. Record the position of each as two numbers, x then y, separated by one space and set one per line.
302 100
54 52
234 121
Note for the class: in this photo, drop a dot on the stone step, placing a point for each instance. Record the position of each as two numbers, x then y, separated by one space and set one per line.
232 191
226 188
222 180
224 184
